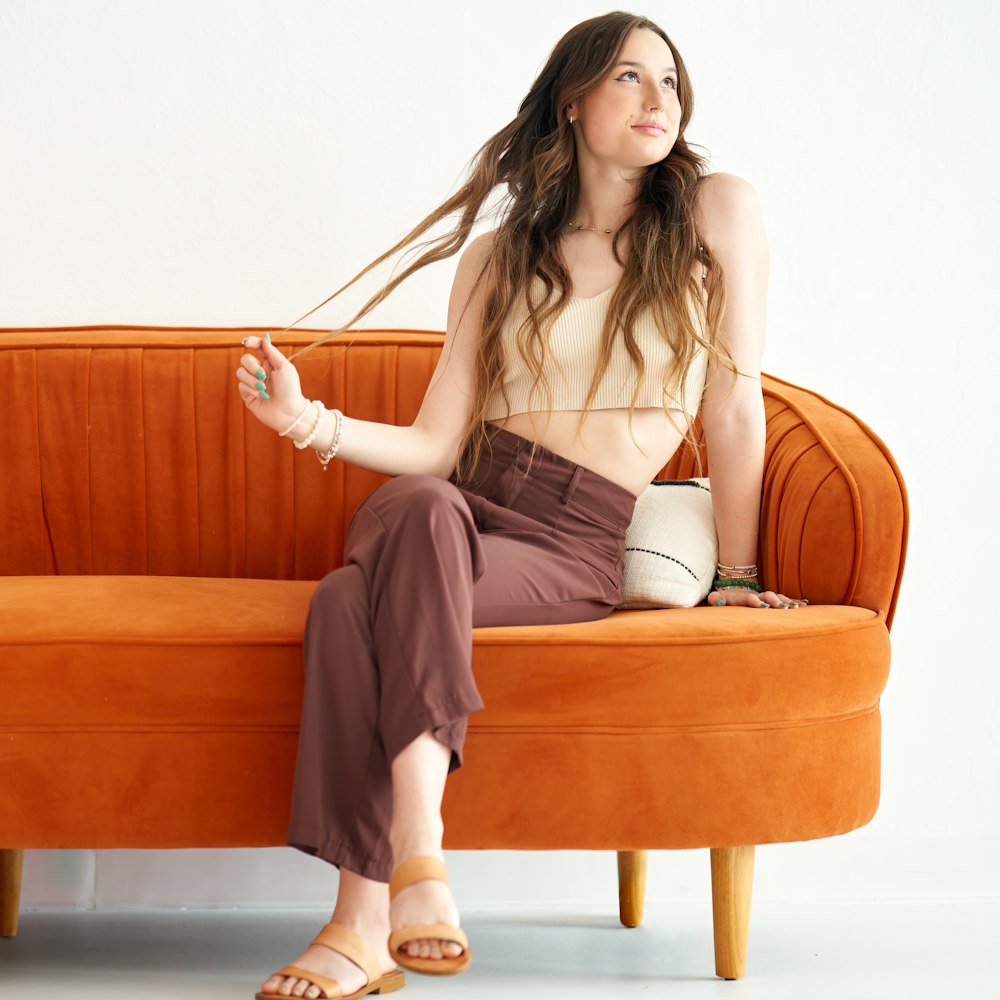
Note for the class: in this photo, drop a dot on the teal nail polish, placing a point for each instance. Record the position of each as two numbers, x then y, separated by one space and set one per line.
243 341
260 385
763 605
269 338
783 605
719 603
263 395
260 374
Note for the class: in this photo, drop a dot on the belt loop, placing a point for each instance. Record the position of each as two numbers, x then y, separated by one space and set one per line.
570 489
516 461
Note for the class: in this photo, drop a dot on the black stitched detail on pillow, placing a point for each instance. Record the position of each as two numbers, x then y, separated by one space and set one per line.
679 482
662 555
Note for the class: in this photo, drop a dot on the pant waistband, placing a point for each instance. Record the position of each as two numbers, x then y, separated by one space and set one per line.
575 481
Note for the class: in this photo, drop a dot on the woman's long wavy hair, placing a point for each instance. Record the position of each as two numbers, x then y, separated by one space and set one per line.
535 157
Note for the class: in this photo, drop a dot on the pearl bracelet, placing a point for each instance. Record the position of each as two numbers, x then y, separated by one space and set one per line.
320 410
324 459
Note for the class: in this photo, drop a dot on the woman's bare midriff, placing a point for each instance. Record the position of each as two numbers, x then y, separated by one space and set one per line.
604 444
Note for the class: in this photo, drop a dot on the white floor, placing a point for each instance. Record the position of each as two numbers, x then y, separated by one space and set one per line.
797 952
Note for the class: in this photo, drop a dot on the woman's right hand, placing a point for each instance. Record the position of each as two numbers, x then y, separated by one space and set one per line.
282 386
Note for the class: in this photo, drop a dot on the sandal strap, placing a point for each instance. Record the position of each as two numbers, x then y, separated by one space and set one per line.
347 942
330 987
444 932
420 866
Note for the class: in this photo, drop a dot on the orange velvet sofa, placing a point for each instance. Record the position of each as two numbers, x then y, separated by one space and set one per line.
160 548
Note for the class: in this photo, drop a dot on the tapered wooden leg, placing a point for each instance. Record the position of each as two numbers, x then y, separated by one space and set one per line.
732 886
631 886
11 861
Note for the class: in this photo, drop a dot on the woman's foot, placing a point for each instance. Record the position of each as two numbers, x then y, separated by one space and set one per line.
419 772
333 965
428 901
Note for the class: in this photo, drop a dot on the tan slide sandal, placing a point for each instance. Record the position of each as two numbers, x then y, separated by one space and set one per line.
405 874
344 940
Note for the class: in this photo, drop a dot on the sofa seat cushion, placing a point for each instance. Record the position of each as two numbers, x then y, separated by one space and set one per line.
187 651
164 711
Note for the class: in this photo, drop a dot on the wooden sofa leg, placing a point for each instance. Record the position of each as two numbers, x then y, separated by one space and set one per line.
631 886
11 862
732 884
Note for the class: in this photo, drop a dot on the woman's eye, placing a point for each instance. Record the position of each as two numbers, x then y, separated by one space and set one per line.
632 72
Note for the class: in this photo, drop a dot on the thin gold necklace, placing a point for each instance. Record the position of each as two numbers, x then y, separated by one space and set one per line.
589 229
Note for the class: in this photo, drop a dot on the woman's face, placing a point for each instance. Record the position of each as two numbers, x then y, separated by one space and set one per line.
607 119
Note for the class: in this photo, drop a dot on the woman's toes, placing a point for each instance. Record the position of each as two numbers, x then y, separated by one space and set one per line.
434 948
425 948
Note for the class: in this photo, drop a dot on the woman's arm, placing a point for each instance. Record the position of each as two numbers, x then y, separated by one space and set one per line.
384 448
731 222
430 444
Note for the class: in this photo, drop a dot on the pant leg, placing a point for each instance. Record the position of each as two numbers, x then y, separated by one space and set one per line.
339 790
388 650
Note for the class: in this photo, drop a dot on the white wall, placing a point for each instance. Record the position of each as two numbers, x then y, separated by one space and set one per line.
226 163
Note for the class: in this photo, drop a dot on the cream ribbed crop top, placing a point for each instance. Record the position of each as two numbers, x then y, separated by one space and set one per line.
573 341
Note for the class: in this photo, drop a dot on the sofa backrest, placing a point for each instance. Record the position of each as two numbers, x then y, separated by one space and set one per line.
129 451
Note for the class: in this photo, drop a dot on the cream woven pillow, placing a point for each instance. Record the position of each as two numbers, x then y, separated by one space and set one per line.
671 546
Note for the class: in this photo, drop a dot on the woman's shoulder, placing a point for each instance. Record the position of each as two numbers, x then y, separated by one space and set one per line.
483 243
722 185
474 258
720 196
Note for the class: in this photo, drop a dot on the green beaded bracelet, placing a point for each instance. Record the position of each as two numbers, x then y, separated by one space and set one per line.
719 584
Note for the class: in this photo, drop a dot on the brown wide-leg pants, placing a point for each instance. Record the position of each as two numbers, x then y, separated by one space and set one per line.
388 637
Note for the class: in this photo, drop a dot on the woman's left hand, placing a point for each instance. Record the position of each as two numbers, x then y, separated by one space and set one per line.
737 596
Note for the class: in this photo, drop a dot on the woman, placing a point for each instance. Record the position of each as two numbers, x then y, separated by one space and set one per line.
604 285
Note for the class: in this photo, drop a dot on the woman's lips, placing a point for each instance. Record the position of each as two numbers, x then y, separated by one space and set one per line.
648 129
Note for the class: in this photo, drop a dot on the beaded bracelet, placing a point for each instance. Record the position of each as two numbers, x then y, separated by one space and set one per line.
320 409
294 423
721 584
324 459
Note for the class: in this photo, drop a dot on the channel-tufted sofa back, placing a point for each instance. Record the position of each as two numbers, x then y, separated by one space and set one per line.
129 451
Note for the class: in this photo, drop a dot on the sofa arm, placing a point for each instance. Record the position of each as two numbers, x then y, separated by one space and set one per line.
834 511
